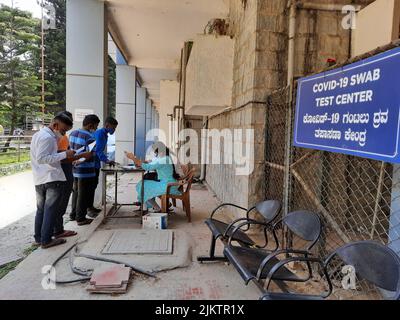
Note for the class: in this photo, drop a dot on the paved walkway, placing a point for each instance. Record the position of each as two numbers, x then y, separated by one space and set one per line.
198 281
17 213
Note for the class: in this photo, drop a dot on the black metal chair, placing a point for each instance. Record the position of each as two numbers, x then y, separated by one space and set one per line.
256 264
372 261
268 209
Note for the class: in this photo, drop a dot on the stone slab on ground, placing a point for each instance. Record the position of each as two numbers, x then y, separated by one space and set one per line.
140 242
181 255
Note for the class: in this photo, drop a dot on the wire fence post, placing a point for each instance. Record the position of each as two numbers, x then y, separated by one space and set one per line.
19 148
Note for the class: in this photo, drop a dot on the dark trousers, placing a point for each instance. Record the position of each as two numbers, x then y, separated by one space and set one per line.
95 184
48 200
81 198
66 194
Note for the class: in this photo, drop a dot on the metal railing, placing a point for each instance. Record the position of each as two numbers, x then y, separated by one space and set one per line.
14 149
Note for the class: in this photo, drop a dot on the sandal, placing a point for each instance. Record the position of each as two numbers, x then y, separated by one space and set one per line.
65 234
53 243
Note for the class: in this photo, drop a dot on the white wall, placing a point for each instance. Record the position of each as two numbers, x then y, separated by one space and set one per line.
209 75
377 24
169 98
125 111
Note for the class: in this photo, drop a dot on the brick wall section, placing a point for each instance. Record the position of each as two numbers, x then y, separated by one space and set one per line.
260 67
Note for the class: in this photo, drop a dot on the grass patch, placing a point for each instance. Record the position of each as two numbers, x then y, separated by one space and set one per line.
4 270
8 268
8 158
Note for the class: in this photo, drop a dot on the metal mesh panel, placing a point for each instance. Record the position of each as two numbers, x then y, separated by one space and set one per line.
356 198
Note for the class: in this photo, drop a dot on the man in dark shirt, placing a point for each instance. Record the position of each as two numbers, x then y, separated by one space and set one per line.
84 172
101 136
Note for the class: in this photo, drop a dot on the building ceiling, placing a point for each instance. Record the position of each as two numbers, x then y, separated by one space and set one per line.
151 34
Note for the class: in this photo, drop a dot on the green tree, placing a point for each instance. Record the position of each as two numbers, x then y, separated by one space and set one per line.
19 83
55 53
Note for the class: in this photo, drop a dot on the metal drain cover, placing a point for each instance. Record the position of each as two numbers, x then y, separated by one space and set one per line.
140 241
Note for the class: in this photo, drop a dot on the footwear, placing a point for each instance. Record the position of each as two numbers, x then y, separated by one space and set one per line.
66 234
84 222
95 210
152 210
36 244
53 243
92 215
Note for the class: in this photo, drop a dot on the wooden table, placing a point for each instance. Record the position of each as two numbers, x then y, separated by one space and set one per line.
107 170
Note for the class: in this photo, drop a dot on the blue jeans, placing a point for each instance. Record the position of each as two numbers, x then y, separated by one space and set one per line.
66 194
48 198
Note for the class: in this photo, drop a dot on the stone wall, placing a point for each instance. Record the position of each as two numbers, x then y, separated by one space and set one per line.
260 66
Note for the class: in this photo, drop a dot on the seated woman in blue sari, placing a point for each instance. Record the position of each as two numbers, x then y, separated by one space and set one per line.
166 174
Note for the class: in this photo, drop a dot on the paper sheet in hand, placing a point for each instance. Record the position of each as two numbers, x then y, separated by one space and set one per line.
92 146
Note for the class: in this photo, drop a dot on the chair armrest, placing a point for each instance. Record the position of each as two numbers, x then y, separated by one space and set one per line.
226 204
248 223
174 184
232 224
279 265
277 253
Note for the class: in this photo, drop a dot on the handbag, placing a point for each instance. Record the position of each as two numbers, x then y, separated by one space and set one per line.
152 175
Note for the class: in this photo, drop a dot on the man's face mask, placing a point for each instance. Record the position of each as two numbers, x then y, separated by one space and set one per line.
59 132
110 130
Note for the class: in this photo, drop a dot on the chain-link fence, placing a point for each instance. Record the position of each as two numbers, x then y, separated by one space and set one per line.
356 198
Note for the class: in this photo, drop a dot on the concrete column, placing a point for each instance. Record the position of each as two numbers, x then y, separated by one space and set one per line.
86 42
149 110
169 98
86 63
140 122
153 117
125 111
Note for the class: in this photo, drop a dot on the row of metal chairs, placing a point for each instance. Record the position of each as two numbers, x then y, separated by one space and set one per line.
372 261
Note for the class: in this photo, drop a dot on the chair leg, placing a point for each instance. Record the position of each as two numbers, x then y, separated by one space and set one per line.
187 208
212 256
164 203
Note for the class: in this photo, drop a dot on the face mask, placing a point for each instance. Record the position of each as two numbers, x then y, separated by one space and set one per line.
110 130
58 134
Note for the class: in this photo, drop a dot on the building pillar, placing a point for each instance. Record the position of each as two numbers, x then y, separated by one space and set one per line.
140 122
125 111
149 109
86 63
169 98
86 51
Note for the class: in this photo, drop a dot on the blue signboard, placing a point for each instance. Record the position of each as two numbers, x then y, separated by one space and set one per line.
352 110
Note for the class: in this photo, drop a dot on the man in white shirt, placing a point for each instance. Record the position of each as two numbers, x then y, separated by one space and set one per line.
49 177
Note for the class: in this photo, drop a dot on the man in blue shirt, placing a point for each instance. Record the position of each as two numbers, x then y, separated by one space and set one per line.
84 172
101 136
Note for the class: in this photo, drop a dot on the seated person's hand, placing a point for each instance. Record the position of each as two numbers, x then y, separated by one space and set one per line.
130 155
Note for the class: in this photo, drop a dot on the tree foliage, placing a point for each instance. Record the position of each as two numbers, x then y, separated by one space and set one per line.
19 82
55 58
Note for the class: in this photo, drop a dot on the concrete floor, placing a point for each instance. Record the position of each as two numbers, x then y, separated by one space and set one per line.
197 281
17 214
